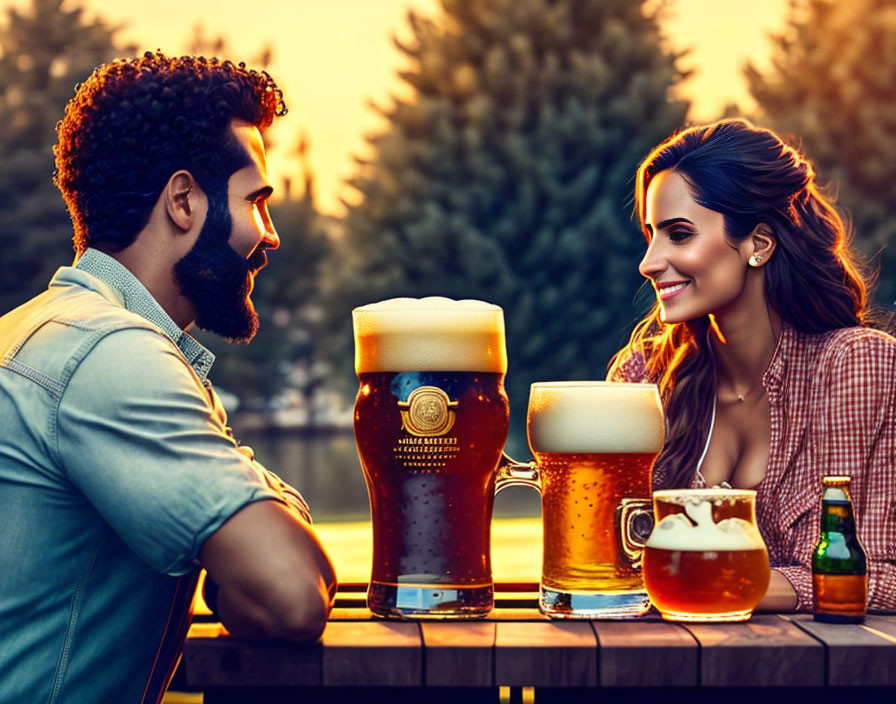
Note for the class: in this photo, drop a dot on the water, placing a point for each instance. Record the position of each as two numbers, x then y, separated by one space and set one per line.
326 469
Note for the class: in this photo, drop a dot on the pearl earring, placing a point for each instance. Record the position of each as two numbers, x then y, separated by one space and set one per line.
755 260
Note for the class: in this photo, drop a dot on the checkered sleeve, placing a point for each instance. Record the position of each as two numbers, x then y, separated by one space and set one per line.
632 369
855 435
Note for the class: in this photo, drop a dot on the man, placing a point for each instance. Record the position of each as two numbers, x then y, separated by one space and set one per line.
118 474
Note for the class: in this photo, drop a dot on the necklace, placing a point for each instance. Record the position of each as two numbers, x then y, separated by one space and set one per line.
741 397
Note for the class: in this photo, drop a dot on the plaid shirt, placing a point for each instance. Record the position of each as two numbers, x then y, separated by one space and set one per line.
832 403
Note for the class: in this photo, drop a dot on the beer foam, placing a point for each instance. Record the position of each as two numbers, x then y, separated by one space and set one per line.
429 334
696 531
595 416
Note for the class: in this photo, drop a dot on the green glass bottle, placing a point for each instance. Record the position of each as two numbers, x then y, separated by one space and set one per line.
839 566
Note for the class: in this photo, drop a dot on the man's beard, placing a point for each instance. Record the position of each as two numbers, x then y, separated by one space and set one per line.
215 279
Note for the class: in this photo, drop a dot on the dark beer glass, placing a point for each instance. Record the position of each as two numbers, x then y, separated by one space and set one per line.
431 419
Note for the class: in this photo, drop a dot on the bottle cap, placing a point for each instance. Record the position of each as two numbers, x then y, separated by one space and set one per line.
836 481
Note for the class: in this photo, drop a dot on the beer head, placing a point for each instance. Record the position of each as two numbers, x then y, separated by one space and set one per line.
695 529
595 417
429 334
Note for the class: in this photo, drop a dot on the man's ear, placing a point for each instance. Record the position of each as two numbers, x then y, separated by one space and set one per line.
182 199
763 243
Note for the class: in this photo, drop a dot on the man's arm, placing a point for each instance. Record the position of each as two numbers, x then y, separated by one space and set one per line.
137 437
273 576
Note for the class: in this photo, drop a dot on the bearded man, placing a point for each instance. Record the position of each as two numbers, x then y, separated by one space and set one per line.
119 478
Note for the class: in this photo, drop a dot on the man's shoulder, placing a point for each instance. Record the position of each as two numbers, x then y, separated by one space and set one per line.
77 307
51 334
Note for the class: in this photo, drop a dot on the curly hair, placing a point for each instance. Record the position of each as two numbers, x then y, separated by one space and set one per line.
815 282
135 122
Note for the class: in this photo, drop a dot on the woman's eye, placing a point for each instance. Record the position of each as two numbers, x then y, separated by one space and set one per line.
679 235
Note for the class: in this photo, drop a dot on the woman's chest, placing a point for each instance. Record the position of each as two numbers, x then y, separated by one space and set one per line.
738 450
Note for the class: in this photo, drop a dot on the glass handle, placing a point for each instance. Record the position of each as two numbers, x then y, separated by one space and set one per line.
634 517
513 473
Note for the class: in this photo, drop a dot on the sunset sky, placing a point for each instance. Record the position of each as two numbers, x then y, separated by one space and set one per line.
333 56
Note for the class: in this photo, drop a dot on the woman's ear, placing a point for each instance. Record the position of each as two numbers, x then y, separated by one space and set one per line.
763 245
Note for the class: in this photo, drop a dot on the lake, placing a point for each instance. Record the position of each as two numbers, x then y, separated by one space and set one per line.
325 468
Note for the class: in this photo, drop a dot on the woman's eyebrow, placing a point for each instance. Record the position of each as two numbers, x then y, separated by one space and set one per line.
671 221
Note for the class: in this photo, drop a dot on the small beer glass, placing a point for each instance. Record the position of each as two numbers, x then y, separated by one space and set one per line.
594 445
705 559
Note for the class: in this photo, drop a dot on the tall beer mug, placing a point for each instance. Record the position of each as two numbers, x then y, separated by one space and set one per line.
431 419
594 445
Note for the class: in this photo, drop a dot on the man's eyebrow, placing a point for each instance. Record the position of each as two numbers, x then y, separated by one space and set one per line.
264 191
671 221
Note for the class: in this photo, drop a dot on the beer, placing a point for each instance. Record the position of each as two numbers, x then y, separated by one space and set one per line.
580 493
595 444
839 566
705 559
431 419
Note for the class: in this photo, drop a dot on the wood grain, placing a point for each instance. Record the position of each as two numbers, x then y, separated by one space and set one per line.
545 654
856 655
883 624
646 654
372 653
459 654
765 651
212 658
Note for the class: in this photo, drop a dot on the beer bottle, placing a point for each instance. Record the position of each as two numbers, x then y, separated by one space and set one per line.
839 570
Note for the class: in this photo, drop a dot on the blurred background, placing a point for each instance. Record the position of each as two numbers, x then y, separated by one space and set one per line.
466 148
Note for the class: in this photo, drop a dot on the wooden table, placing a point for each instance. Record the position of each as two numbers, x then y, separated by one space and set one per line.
516 648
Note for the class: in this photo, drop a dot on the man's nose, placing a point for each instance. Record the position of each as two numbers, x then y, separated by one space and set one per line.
270 238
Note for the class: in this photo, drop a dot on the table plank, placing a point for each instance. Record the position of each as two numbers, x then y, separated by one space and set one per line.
883 624
516 614
545 654
213 658
765 651
372 653
856 656
646 654
458 654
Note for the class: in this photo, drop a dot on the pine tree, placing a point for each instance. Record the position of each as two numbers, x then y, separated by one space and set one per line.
44 51
832 88
508 176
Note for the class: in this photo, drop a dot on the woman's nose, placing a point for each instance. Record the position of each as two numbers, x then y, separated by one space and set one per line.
653 262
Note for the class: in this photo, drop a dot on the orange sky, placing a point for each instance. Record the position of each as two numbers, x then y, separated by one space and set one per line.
332 56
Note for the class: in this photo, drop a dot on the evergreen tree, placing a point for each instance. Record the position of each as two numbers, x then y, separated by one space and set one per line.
508 176
832 88
44 51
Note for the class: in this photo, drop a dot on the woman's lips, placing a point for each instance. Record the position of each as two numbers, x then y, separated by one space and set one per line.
668 292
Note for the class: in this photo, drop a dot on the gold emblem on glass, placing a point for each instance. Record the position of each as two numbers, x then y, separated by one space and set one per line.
428 412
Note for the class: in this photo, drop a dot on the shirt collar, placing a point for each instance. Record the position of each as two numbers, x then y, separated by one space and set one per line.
130 293
773 378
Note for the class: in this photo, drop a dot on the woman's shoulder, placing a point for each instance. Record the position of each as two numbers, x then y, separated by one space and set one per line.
853 349
856 340
630 366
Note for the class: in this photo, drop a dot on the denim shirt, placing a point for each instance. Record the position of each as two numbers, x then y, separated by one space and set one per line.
116 464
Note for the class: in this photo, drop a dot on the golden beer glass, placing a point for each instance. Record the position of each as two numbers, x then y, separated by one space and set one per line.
705 559
594 445
431 419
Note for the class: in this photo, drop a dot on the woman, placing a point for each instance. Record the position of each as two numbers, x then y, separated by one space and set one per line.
769 376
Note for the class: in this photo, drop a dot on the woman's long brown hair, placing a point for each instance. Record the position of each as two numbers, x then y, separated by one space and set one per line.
814 281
